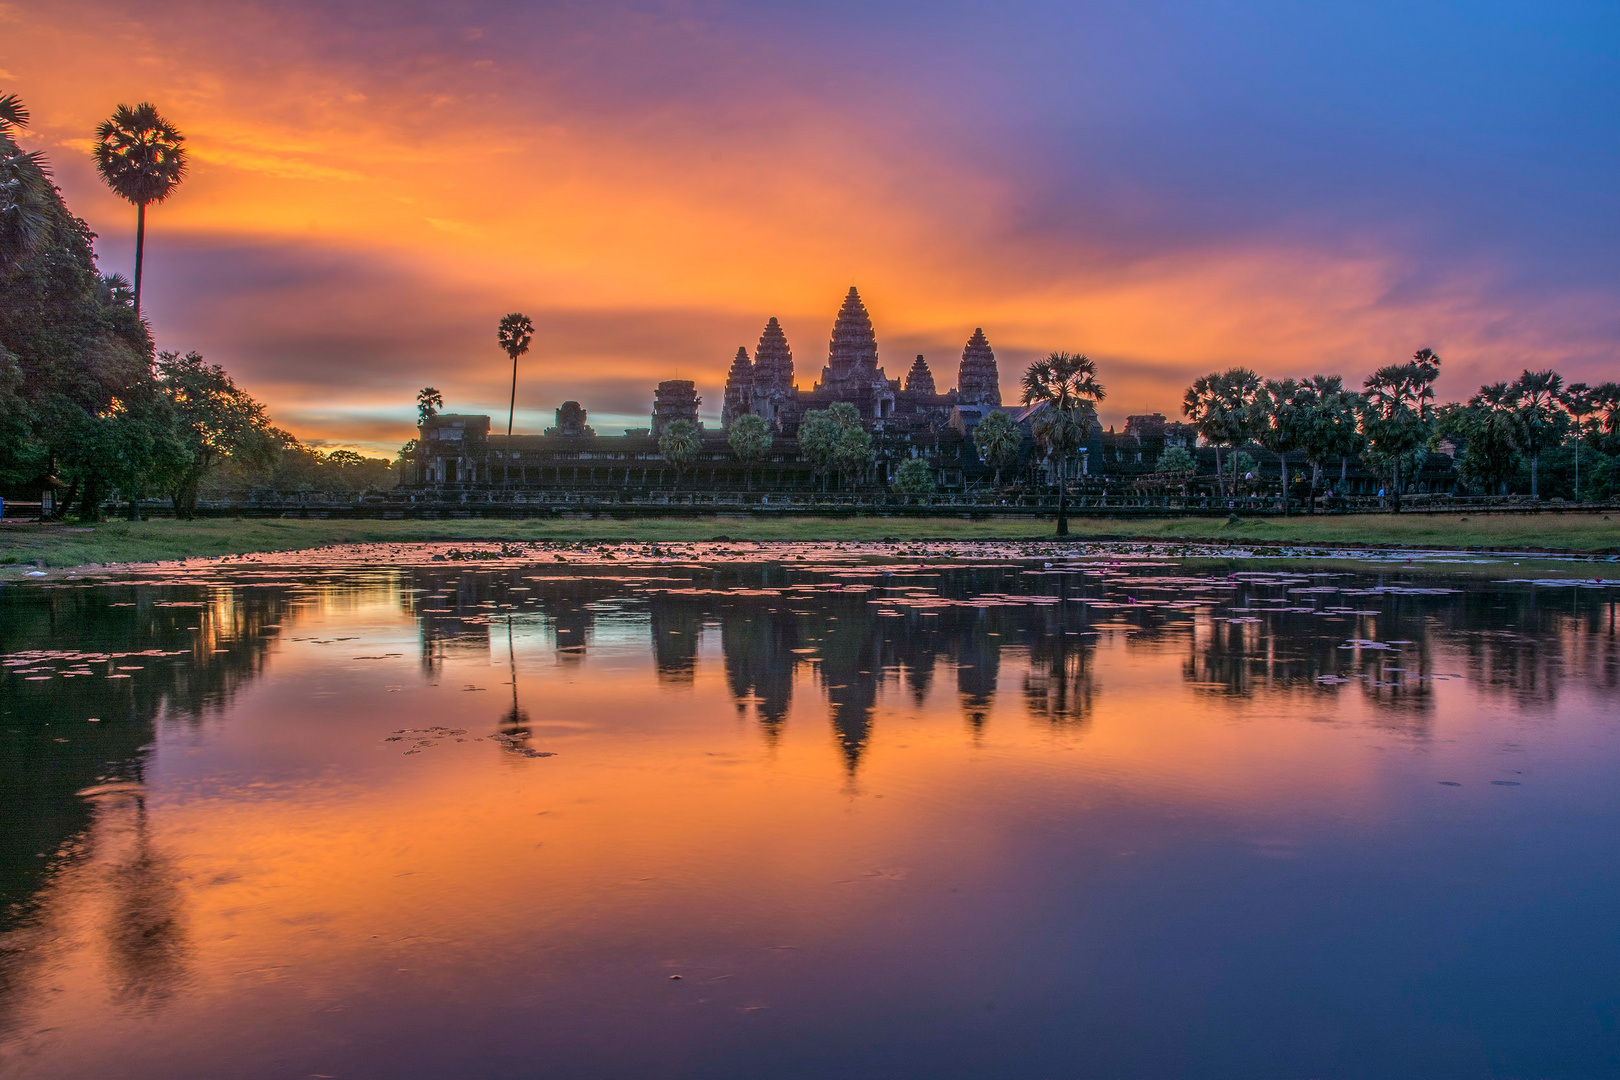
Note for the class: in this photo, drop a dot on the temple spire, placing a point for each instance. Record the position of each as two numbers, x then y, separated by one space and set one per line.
773 360
977 381
739 388
920 380
852 353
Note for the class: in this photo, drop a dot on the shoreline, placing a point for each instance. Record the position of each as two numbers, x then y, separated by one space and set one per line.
27 546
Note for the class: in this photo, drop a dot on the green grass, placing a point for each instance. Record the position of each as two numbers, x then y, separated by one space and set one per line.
23 544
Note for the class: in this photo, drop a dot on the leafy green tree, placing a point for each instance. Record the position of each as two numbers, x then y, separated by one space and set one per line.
1067 391
70 333
998 439
142 157
25 189
818 441
515 334
1176 459
428 403
915 476
1329 426
834 438
214 418
1281 423
852 450
750 439
1538 422
680 444
1221 408
1397 415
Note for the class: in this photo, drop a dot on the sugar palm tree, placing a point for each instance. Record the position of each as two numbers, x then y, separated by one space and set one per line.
1330 425
1578 401
1281 419
142 157
515 333
1221 407
1066 390
1536 416
1397 412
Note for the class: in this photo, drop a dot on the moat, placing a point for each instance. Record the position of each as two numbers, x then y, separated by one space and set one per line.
739 810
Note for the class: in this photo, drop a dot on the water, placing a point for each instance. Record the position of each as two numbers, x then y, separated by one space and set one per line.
717 811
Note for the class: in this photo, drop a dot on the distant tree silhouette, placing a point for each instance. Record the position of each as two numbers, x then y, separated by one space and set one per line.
515 333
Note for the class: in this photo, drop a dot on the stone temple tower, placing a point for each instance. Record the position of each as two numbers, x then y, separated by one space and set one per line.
739 388
852 353
773 374
920 380
675 399
977 382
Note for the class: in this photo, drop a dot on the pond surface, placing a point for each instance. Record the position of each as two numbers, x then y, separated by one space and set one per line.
722 811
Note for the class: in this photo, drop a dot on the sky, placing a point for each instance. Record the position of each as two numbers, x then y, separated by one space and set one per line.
1170 188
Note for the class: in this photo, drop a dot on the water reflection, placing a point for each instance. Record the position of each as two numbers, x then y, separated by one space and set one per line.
270 699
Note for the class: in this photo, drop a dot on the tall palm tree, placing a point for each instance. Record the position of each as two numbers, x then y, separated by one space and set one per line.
1329 425
1067 391
1281 418
1578 401
142 157
1397 411
1536 416
514 335
1221 406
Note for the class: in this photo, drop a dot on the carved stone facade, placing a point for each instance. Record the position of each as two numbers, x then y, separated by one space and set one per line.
571 421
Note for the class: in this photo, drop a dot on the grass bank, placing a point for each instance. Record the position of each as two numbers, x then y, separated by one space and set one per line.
23 544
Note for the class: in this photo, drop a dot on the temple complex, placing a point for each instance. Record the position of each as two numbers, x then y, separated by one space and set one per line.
764 385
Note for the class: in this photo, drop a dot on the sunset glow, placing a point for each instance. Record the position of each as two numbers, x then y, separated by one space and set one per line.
373 186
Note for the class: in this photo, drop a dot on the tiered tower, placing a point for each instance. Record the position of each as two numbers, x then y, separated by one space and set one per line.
773 361
739 388
977 382
675 399
919 380
852 353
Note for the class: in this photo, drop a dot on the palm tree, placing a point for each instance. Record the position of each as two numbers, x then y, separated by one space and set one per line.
515 333
1397 411
1066 390
142 157
1329 425
1606 399
25 188
1221 407
1535 413
1578 401
428 402
1280 424
680 443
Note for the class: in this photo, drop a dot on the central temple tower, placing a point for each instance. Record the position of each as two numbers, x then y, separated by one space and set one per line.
852 373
